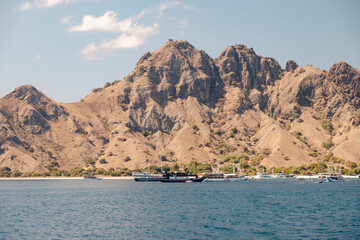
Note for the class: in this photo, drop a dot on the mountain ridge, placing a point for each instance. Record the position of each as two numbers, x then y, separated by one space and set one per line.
180 105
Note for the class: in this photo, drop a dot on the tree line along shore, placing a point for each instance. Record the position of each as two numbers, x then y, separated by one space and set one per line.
227 166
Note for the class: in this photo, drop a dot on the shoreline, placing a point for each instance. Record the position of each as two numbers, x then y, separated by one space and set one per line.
299 177
59 178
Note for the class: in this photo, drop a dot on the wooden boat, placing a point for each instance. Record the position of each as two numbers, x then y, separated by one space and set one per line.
172 177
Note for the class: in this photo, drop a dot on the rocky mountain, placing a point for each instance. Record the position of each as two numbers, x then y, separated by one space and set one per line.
180 105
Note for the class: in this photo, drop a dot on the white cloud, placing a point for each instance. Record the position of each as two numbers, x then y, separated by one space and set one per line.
132 34
94 51
42 4
107 23
183 23
164 6
37 57
191 8
25 6
66 19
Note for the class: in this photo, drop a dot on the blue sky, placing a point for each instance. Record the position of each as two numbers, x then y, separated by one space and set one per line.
65 48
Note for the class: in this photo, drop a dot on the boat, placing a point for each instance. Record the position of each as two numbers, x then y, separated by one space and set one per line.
89 176
171 177
214 177
264 176
282 176
332 176
311 181
146 177
233 177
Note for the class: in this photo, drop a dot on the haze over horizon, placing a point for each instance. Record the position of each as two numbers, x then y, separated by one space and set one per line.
66 48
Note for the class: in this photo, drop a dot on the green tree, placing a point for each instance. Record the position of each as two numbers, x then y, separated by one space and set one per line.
77 171
350 164
5 172
175 168
328 144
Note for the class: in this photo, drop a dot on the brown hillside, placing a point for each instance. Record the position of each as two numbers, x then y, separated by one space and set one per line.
179 105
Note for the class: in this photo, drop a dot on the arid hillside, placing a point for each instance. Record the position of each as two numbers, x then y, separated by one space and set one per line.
180 105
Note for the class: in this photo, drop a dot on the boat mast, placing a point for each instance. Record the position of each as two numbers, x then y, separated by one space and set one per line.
148 162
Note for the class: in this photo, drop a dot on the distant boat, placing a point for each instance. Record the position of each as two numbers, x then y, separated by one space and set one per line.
264 176
332 176
282 176
233 177
146 177
214 177
90 177
168 177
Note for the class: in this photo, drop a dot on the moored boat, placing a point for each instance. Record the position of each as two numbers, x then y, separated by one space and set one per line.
214 177
282 176
331 177
146 177
232 177
168 177
264 176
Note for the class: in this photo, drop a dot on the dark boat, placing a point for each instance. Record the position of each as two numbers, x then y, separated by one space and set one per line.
180 177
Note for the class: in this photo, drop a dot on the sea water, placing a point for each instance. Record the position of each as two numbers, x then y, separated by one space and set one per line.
121 209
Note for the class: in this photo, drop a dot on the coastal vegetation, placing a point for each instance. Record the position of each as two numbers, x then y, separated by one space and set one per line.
241 163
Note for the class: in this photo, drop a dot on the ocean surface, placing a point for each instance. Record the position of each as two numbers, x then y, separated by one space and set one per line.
123 209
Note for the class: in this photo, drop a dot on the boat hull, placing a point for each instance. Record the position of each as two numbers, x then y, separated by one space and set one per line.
236 179
174 180
147 179
215 180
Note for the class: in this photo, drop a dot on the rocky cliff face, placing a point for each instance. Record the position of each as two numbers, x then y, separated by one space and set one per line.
240 66
175 71
179 104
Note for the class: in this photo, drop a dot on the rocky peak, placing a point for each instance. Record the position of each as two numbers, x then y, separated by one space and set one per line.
26 92
348 79
176 70
241 66
36 100
291 65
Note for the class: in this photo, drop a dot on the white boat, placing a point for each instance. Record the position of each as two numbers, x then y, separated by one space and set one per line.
232 177
282 176
214 177
146 177
332 175
264 176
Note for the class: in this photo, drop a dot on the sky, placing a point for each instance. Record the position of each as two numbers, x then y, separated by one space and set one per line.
65 48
